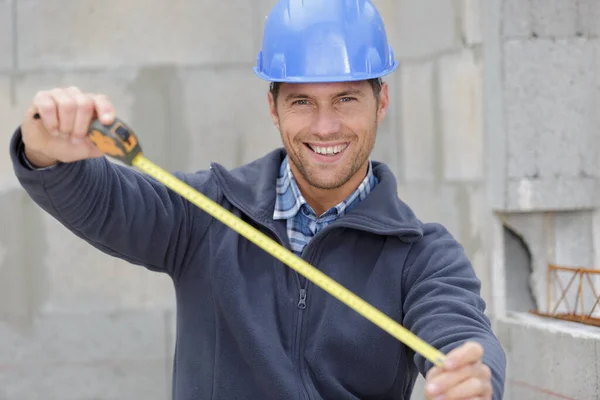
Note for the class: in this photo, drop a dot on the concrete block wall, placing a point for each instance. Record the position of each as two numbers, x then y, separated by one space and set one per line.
478 82
540 108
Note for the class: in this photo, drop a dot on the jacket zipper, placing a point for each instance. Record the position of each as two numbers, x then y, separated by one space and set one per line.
297 347
303 284
302 291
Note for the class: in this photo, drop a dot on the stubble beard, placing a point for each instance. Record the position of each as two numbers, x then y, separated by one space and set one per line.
346 172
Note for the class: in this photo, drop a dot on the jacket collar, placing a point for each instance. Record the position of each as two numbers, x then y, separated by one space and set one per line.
252 189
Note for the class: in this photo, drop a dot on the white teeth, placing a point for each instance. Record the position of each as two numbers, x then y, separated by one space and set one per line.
328 150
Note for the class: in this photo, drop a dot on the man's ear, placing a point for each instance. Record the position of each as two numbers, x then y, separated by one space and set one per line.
273 109
384 101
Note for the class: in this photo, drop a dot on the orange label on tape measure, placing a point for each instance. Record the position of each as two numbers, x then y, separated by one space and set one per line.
106 144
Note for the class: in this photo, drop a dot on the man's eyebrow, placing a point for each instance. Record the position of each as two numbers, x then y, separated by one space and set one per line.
292 96
348 92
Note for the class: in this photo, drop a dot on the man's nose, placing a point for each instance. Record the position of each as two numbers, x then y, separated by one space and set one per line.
326 124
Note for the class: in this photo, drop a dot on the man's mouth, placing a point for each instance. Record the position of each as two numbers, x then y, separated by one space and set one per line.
328 150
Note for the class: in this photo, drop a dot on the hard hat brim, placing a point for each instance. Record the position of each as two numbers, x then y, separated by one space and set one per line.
326 79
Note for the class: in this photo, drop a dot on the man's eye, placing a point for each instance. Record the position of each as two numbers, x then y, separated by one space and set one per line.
301 102
347 99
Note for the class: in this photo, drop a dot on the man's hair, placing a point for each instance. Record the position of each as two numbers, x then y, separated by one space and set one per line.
375 84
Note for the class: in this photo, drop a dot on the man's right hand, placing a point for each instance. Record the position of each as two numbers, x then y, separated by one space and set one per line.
61 133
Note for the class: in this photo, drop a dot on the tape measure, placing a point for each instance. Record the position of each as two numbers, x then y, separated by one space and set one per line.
119 141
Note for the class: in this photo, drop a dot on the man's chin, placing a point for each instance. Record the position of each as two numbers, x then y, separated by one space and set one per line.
325 183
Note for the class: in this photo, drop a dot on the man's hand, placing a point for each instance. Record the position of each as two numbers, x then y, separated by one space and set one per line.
463 376
61 133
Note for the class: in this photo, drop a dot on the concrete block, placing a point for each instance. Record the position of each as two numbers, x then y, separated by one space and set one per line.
596 235
433 203
522 138
6 35
551 194
461 88
158 113
555 18
588 17
589 148
552 119
85 356
425 28
81 34
128 379
439 203
493 108
474 233
522 145
227 115
85 337
471 22
516 19
541 361
461 209
10 118
22 248
574 239
82 279
422 148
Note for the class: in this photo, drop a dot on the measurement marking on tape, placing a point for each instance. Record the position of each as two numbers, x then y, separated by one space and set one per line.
287 257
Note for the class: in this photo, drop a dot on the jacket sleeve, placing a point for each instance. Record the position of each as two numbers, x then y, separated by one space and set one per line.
442 302
117 209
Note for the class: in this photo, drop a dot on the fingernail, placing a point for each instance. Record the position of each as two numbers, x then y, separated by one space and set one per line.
107 116
76 140
55 133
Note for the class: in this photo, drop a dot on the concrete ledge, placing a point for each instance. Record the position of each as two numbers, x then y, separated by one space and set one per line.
550 359
551 194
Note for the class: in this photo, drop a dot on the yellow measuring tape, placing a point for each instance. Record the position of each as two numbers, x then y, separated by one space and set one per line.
119 141
290 259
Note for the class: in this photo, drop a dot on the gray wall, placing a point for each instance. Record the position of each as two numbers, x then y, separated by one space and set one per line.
541 107
492 125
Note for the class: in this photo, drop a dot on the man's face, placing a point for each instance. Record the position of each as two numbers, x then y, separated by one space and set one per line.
329 129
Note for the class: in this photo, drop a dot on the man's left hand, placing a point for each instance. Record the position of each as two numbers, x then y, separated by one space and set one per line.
463 376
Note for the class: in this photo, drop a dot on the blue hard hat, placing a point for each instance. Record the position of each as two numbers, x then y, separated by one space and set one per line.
324 41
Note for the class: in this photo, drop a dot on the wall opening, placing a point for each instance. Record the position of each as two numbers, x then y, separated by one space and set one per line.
518 270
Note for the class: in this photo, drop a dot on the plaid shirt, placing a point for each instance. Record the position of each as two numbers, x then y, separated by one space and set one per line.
302 222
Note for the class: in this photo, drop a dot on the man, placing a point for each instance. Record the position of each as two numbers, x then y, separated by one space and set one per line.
249 327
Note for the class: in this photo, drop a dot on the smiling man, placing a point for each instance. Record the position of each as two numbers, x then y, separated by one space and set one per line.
249 327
